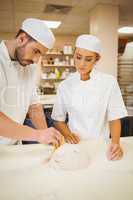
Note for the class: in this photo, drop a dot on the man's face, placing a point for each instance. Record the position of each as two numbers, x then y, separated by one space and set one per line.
84 60
29 52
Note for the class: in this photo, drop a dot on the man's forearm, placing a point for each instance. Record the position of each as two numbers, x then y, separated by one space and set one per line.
37 116
62 127
115 130
13 130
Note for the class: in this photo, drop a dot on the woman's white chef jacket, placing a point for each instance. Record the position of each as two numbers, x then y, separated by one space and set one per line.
90 104
17 89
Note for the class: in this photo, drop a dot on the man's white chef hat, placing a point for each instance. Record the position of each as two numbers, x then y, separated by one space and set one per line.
38 30
89 42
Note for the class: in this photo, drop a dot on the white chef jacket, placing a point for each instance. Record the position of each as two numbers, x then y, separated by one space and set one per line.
90 104
17 89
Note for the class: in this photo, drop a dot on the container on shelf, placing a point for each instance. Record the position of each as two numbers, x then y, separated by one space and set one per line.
67 49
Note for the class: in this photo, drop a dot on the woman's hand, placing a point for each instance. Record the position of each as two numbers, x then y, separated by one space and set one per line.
114 152
72 138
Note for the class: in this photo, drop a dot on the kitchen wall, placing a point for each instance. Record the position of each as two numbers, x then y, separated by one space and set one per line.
61 40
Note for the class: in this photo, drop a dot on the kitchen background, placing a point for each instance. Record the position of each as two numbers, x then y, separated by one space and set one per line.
78 17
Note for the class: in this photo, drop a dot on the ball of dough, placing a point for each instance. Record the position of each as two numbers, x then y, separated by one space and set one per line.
70 157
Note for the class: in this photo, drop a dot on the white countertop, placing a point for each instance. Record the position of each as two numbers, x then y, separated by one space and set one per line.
23 175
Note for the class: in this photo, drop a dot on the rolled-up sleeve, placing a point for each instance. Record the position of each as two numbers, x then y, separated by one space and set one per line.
35 99
59 109
2 86
116 108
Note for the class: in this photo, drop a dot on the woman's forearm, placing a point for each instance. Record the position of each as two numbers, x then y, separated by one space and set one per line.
115 130
62 127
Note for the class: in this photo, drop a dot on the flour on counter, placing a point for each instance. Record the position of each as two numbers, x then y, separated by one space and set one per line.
70 157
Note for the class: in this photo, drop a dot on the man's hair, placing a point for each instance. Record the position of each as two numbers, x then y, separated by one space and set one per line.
29 37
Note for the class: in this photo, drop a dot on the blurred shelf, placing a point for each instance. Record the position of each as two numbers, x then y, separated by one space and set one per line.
58 54
56 67
52 79
60 66
130 110
125 79
47 100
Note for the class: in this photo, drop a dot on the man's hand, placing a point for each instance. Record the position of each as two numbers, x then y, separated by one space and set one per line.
50 136
114 152
72 138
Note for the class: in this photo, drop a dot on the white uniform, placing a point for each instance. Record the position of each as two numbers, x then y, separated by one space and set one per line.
17 89
90 104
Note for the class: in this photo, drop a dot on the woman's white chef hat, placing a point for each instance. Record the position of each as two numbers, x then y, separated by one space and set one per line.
38 30
89 42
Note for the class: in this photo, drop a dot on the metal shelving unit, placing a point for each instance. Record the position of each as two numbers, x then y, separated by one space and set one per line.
56 67
125 79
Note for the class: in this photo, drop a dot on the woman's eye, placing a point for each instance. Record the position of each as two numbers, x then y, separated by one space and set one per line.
34 51
88 59
78 57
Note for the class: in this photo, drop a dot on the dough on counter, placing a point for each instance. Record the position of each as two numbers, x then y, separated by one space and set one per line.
70 157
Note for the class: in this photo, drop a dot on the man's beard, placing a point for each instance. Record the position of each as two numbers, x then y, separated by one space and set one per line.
19 53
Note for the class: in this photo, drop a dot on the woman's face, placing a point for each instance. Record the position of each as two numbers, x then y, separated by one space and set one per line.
85 60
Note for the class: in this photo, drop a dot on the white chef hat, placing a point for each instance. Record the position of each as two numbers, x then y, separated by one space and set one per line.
89 42
39 31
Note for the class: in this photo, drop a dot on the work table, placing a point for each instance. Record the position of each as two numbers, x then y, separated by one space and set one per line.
23 175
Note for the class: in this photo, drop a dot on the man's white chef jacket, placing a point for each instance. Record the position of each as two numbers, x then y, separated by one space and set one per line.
17 89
